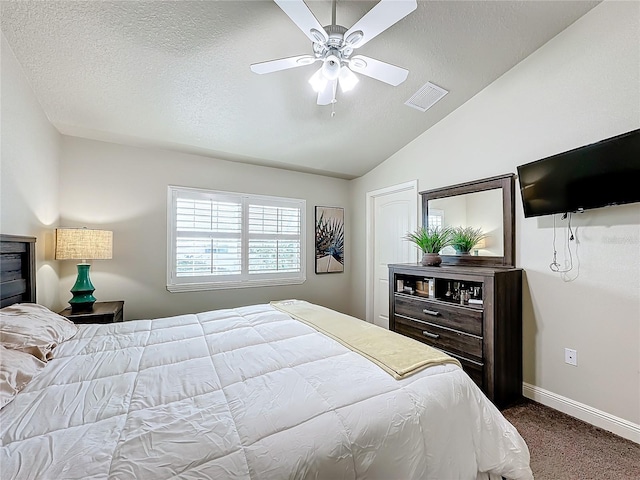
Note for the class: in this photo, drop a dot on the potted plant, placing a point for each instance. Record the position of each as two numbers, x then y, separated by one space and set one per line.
463 239
430 240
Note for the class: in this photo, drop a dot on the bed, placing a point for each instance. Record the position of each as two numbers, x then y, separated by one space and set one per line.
247 393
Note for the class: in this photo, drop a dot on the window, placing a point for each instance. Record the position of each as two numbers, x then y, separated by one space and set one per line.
436 218
231 240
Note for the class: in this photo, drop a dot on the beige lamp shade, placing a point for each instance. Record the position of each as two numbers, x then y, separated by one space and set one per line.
481 244
83 244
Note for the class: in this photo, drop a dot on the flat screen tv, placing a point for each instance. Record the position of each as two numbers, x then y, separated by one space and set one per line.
597 175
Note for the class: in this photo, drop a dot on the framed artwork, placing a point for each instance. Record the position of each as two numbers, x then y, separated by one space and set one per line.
329 223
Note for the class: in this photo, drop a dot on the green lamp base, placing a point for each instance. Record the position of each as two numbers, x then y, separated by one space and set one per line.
82 291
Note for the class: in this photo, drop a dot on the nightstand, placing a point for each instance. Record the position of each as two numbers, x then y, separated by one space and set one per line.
103 312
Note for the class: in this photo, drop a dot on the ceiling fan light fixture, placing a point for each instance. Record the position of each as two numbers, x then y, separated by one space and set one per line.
331 67
334 44
347 80
318 81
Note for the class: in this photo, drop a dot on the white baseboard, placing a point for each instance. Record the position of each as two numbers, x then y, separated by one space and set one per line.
598 418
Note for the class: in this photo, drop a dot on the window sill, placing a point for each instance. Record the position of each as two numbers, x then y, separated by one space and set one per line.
204 286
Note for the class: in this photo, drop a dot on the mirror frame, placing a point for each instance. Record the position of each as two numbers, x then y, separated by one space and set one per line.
507 184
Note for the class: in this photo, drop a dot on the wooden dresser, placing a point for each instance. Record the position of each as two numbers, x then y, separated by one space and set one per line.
484 334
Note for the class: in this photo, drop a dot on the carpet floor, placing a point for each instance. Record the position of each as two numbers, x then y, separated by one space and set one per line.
564 448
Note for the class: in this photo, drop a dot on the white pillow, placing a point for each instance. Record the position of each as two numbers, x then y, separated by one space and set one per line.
16 371
34 329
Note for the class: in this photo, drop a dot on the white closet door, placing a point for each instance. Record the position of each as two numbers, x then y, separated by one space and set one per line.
392 212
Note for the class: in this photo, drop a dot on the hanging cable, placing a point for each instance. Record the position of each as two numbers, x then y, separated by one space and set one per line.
554 265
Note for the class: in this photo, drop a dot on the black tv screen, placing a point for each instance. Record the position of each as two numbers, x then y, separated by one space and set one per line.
596 175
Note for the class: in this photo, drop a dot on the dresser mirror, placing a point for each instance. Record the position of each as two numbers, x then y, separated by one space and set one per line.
487 205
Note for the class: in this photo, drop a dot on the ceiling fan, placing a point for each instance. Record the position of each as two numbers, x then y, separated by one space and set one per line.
334 44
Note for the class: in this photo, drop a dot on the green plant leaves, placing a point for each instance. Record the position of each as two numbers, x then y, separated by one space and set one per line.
465 238
431 239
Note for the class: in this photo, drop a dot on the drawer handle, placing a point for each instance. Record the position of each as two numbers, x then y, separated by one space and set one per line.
431 312
435 336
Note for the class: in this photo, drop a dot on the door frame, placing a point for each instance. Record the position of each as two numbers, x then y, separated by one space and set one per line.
370 224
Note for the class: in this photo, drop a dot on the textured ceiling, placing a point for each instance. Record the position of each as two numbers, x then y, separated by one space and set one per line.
176 74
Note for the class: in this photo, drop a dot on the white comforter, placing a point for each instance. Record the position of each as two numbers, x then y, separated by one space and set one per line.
246 393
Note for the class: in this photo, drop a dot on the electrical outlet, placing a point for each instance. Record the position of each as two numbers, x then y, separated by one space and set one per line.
571 356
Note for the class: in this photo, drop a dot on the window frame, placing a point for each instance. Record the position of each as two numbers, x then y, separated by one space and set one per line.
244 279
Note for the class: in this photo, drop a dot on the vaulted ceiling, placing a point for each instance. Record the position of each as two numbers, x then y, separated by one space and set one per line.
175 74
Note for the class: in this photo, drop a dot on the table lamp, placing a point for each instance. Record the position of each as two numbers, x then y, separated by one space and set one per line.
480 245
83 244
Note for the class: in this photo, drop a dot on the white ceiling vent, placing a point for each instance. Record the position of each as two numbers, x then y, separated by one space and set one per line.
426 97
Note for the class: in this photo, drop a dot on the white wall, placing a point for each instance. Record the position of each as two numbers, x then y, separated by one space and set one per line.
581 87
124 189
29 166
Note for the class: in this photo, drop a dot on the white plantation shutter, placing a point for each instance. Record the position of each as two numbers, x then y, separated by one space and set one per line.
228 240
208 236
274 239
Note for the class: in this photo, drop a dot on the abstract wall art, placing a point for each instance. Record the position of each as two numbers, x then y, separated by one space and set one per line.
329 239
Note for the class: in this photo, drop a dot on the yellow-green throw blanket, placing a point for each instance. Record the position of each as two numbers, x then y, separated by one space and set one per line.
396 354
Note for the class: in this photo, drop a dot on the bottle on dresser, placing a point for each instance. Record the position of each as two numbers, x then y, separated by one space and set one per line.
431 288
476 296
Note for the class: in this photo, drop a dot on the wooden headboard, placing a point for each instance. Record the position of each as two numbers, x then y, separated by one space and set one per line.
17 270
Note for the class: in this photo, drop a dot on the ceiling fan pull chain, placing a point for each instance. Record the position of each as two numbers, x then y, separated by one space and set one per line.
333 107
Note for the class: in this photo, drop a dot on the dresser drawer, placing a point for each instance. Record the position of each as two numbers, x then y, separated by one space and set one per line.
465 319
474 369
447 339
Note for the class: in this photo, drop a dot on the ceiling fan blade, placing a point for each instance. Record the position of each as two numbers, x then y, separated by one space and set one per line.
379 18
282 64
385 72
326 96
306 21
